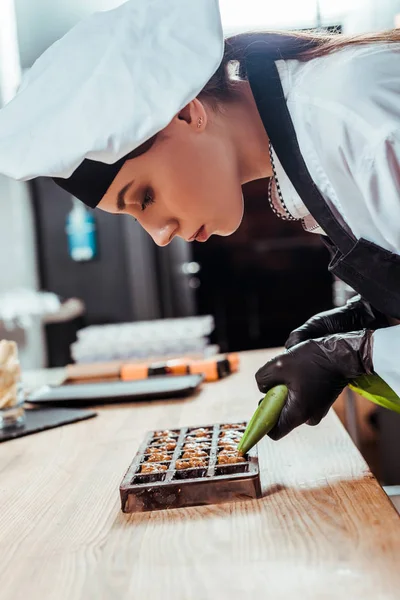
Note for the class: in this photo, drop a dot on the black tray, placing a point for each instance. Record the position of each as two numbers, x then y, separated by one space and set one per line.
41 419
86 394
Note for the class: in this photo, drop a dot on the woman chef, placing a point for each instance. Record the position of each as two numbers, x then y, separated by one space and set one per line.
144 110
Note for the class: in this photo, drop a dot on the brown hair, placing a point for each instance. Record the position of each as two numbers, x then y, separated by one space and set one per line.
282 45
278 44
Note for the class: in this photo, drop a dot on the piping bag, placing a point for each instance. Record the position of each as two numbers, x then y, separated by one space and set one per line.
267 414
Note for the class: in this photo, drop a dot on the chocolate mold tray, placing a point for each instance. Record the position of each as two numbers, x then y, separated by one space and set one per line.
159 476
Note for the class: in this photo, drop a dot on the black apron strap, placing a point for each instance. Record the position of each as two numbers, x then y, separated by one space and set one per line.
268 93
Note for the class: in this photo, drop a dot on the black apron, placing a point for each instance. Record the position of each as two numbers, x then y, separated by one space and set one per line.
369 269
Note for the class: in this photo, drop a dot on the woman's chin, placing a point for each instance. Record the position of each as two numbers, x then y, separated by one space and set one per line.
230 228
234 227
227 233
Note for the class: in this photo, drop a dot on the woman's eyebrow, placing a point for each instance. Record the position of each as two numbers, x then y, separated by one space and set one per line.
121 204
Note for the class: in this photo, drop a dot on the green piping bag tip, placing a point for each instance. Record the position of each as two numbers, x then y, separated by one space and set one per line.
264 418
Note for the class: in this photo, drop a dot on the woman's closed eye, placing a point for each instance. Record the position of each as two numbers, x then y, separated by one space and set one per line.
148 198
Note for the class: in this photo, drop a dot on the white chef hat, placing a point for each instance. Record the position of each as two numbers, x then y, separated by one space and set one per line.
109 85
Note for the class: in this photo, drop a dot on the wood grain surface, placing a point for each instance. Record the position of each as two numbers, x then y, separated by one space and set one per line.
324 528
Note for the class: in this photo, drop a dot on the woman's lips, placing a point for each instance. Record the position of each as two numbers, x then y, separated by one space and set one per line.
201 235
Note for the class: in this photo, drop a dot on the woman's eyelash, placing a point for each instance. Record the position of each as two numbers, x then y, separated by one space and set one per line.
148 199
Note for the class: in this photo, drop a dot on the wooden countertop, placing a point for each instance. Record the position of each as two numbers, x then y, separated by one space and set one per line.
324 529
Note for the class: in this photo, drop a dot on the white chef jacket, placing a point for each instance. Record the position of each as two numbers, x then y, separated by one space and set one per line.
345 109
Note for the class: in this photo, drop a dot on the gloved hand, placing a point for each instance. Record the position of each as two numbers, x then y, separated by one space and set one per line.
357 314
315 372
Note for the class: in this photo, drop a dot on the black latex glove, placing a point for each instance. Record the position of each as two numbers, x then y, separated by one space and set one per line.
315 372
357 314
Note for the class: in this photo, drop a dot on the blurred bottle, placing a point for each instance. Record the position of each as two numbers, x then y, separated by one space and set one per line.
81 233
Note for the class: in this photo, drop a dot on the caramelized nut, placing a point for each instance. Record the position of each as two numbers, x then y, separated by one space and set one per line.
194 454
200 432
166 446
159 457
164 434
191 463
196 446
165 440
170 446
228 450
153 468
228 443
230 459
231 434
191 438
152 450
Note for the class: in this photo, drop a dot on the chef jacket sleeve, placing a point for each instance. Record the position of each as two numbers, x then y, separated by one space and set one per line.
386 356
379 180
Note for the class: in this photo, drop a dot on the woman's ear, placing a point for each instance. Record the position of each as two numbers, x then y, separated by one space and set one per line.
194 114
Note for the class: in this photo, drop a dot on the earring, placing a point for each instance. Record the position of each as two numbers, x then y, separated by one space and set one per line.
199 122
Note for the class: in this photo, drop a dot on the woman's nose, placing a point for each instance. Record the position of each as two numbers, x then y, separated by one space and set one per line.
164 235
